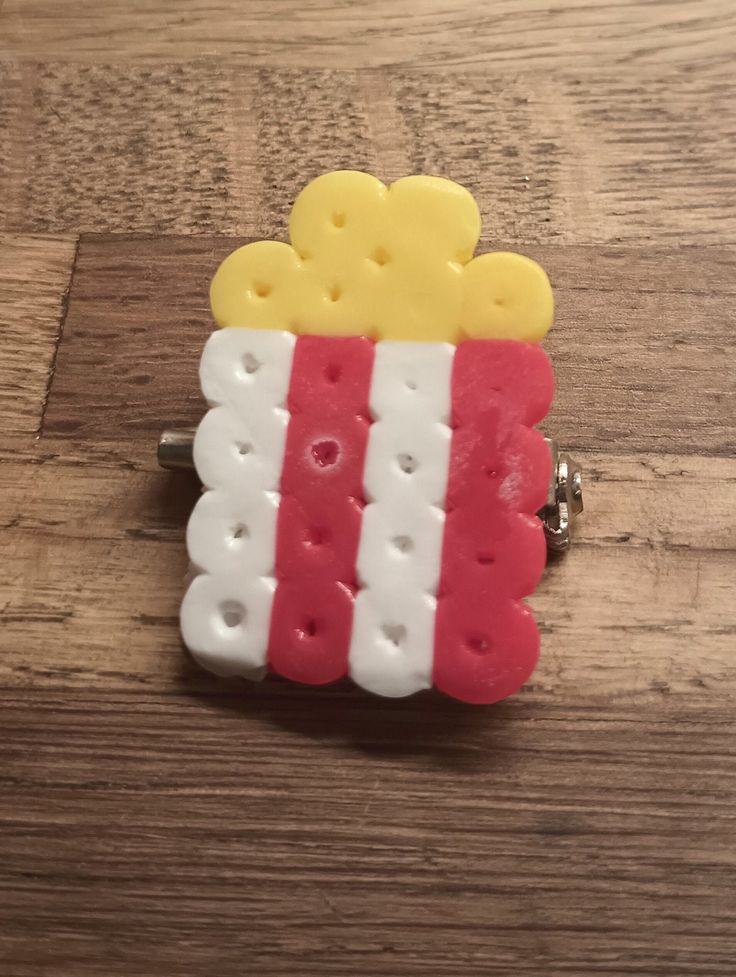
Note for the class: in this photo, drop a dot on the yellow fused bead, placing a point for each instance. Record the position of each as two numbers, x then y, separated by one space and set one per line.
387 262
506 296
251 286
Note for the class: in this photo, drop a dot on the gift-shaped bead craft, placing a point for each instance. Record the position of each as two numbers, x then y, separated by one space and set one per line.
370 464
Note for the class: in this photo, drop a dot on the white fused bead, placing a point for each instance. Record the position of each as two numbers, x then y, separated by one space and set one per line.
234 532
247 367
392 644
225 621
232 450
407 459
412 379
401 545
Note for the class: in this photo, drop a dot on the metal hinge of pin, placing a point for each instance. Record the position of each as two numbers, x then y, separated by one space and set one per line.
564 495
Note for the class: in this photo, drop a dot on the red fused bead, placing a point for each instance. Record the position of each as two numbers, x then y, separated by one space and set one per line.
311 623
329 374
484 651
318 535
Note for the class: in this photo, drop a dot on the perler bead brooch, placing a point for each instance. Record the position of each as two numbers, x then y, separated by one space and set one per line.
372 474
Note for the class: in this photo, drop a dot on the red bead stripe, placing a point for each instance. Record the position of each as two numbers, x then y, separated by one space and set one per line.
486 641
320 515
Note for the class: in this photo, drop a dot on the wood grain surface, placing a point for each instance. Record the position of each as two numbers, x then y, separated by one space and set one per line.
158 822
341 34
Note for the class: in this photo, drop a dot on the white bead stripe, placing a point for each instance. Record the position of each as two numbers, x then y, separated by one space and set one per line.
231 536
400 551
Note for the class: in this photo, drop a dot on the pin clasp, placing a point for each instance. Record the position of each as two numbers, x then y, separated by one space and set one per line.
564 499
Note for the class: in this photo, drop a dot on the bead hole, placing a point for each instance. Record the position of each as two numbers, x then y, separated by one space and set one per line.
325 453
309 628
232 614
404 544
334 293
486 559
262 289
394 633
478 644
251 364
338 219
407 463
333 372
317 536
380 257
244 448
240 533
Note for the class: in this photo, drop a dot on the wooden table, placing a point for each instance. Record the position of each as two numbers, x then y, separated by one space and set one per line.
157 821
